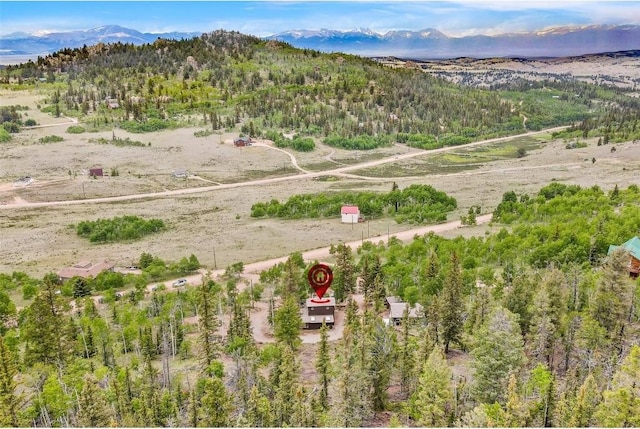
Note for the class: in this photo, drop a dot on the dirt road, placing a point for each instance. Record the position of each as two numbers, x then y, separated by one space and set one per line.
337 171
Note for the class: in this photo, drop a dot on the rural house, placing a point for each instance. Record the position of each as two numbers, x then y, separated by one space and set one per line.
315 312
96 172
350 214
632 247
180 173
397 308
85 269
242 141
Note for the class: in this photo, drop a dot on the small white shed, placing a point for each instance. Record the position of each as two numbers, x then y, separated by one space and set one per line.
350 214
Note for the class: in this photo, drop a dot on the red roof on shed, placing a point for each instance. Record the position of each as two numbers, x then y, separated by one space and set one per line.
350 210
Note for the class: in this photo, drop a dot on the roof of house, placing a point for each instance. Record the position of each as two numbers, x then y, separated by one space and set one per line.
180 172
350 210
632 246
331 301
393 299
397 309
243 139
85 269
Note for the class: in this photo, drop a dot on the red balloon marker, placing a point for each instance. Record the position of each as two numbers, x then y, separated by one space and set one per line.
320 277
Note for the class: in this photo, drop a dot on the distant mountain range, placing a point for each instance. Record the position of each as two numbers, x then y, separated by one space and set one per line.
42 43
424 44
433 44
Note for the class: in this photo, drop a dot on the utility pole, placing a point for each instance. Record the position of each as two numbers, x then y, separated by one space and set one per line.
251 286
215 263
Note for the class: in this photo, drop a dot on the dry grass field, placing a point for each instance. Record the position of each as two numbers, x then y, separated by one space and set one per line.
217 222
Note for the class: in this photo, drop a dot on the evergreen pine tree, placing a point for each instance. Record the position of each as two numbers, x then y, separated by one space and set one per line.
93 409
518 297
498 354
323 363
258 413
620 406
208 322
80 287
452 305
302 413
288 323
350 404
380 357
407 363
612 299
586 403
432 402
43 328
215 403
10 400
515 414
344 281
285 391
542 330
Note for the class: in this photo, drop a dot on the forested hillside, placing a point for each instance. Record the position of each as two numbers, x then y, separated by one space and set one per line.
227 80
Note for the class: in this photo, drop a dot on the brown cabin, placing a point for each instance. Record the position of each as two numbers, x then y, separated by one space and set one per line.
315 312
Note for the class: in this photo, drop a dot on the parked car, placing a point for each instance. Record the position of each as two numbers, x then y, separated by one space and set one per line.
180 283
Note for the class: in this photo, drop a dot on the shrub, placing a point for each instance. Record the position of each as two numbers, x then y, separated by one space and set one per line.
11 127
75 129
4 135
203 133
50 139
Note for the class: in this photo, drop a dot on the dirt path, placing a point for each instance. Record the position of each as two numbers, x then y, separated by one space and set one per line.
294 161
336 171
72 121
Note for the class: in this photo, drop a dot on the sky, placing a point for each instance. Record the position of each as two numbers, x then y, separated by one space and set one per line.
264 18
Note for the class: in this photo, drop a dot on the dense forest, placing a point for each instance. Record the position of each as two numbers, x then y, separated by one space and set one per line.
535 324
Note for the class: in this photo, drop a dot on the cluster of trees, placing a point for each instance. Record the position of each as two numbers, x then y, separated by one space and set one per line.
361 142
297 142
11 118
118 228
414 204
157 269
